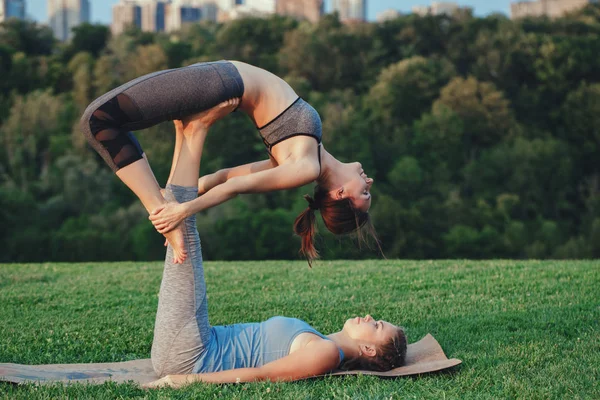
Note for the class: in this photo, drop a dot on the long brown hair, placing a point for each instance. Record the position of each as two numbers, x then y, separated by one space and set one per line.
339 216
388 356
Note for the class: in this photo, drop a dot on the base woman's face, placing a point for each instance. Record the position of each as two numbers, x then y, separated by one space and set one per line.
368 330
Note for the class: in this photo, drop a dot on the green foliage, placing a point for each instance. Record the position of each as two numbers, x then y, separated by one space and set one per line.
482 135
27 37
407 89
254 40
485 113
89 38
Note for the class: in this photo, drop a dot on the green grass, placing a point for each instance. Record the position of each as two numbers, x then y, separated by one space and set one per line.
523 329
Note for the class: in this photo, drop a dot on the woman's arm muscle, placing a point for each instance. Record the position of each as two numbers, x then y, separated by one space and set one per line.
286 176
317 358
207 182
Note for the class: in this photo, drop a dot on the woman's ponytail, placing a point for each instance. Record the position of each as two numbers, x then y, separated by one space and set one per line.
305 227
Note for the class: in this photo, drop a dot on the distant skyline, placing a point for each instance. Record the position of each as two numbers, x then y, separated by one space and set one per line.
101 9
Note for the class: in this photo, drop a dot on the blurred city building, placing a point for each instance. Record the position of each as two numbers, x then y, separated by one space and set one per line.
125 14
311 10
64 15
437 8
161 16
153 15
240 11
420 10
226 5
235 9
171 15
548 8
181 12
262 6
388 15
350 10
12 9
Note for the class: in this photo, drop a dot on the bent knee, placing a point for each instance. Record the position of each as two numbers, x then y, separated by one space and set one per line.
90 119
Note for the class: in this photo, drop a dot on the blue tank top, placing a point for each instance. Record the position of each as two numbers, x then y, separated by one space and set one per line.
251 345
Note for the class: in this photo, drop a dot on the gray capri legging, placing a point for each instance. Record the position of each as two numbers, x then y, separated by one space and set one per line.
152 99
182 331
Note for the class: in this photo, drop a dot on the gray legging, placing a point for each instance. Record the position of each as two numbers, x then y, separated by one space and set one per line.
182 329
152 99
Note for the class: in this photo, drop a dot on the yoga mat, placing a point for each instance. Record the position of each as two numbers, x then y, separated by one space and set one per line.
422 357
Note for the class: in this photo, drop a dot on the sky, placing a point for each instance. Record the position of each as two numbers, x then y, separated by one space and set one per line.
101 9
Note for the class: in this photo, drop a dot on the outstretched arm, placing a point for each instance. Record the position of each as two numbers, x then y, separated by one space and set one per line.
317 358
286 176
207 182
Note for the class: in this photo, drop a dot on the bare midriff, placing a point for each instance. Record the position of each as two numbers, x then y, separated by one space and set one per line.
265 94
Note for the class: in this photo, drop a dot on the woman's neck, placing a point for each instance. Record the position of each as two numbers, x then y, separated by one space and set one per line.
328 179
346 343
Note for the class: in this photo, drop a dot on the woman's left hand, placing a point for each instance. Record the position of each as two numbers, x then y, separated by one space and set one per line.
174 381
167 217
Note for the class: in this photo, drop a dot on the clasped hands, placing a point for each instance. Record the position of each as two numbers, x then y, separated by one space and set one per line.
168 216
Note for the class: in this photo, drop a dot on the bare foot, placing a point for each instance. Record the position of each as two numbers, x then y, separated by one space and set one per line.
205 119
175 238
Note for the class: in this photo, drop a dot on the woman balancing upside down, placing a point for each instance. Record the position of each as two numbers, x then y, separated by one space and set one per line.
290 127
187 349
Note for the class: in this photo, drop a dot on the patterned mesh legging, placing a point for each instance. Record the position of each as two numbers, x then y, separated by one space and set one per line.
152 99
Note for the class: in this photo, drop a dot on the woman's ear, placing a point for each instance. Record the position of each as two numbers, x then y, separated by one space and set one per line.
340 193
368 350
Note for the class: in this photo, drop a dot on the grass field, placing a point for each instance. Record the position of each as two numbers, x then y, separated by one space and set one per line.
523 329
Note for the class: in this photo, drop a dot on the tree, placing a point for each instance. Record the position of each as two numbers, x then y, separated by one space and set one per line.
147 59
88 38
254 40
581 126
483 109
538 171
25 136
177 52
439 142
407 89
27 37
81 68
107 74
346 51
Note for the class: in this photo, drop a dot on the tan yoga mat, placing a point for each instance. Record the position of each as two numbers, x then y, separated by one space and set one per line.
422 357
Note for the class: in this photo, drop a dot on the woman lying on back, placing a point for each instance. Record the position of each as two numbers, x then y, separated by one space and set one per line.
186 348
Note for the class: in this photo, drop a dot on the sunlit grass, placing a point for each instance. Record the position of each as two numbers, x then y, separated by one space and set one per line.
523 329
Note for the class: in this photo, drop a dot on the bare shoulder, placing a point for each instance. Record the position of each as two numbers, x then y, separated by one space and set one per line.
301 153
310 168
327 351
324 347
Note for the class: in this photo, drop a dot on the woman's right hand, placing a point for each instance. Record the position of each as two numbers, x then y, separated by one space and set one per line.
168 216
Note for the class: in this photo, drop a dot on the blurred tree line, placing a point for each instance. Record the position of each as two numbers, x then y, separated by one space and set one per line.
482 134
